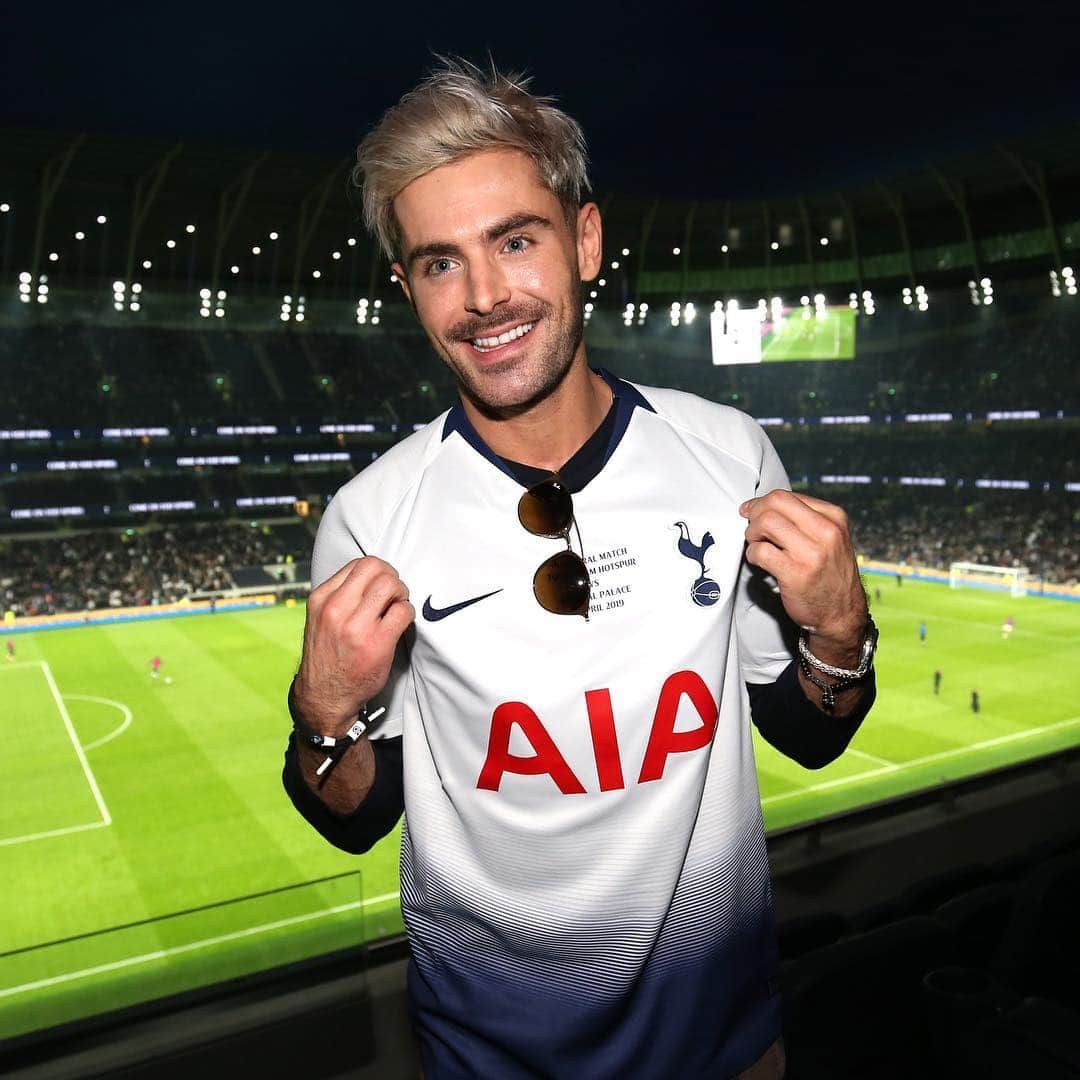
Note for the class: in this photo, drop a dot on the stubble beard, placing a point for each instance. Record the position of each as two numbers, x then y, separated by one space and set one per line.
494 391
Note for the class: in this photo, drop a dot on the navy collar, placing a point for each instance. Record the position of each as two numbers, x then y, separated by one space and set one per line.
587 462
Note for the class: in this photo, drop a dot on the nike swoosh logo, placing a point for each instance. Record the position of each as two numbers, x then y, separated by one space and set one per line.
434 614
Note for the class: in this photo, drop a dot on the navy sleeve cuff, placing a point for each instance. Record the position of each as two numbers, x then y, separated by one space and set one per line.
373 819
790 721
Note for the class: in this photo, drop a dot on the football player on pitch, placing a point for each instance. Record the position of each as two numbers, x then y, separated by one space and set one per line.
553 598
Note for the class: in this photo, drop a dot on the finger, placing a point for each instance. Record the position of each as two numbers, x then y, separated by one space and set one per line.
770 559
397 619
382 591
773 525
830 510
802 511
322 592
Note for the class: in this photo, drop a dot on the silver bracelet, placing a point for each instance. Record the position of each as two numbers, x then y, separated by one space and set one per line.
869 647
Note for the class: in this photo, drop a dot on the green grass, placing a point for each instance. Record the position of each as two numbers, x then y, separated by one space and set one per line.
189 812
831 337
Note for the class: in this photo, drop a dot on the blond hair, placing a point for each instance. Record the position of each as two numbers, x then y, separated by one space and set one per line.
456 111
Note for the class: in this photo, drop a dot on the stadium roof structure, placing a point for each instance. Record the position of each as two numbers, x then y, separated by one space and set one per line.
185 215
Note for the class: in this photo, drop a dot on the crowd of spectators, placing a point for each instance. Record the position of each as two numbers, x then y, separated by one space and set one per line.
934 529
95 570
1019 354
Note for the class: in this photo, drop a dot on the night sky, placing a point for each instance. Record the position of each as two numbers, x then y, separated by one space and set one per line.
677 100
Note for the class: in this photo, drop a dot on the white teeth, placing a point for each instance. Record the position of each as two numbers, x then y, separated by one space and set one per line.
484 344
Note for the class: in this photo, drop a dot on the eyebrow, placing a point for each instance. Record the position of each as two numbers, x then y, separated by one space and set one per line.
491 233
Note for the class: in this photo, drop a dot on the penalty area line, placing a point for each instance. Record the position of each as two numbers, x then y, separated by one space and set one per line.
80 752
177 950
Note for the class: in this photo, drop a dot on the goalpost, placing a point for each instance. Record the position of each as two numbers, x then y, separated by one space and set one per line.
980 576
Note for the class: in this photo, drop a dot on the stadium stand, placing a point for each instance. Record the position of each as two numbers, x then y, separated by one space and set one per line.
926 936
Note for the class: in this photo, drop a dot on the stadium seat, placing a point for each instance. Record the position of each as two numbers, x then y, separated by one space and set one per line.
977 920
856 1008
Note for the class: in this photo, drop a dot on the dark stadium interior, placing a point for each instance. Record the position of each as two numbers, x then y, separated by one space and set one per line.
187 383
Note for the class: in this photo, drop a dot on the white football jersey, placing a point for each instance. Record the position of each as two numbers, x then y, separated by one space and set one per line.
583 871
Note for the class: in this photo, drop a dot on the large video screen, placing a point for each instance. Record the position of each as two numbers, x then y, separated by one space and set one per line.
776 333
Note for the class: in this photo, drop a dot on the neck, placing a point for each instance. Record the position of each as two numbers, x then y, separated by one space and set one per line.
550 432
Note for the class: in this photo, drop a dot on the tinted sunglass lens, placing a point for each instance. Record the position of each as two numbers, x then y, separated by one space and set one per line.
561 584
546 509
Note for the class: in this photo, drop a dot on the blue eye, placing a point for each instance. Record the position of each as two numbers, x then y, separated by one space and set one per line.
517 244
440 266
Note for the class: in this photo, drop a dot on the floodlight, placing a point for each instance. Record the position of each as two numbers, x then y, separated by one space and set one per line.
988 299
351 241
101 219
378 303
147 264
907 291
234 269
335 254
723 248
4 207
204 312
824 241
222 294
643 307
284 316
273 236
189 229
804 299
985 282
54 256
363 301
219 312
625 252
118 286
25 298
592 293
588 308
299 316
170 244
80 236
204 293
136 287
24 276
676 251
615 265
24 287
602 282
375 320
256 250
867 294
393 279
775 245
819 298
118 306
134 305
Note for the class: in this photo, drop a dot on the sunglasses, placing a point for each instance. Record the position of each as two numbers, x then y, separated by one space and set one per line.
561 583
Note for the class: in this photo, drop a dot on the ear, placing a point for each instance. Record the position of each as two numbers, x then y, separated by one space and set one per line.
590 246
403 281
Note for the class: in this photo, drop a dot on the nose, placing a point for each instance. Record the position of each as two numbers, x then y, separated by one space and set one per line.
487 287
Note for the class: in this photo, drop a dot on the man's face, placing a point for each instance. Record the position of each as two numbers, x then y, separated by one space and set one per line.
494 272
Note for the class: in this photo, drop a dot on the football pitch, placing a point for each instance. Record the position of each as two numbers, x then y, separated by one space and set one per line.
148 848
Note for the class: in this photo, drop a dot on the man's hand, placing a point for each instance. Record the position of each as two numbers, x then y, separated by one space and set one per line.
354 621
804 543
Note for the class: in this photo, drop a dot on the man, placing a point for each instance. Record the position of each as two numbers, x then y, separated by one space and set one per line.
583 869
937 681
9 647
922 633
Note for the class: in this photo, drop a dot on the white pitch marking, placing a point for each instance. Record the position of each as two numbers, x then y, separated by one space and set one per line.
164 954
840 781
872 757
53 832
106 816
128 717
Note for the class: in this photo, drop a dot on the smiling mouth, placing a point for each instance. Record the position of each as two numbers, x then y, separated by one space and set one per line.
490 344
